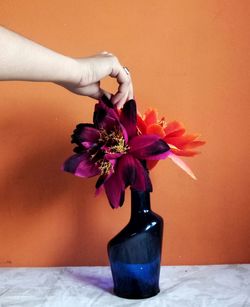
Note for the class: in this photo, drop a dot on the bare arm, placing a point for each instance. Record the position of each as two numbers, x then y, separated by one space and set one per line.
23 59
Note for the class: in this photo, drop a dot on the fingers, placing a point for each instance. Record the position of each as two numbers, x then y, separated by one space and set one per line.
130 92
121 102
129 95
124 81
93 90
123 77
121 95
100 93
106 53
96 92
100 66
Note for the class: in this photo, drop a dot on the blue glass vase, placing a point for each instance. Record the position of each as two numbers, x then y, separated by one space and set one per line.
135 252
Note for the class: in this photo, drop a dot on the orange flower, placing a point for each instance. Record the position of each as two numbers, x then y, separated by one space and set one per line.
173 133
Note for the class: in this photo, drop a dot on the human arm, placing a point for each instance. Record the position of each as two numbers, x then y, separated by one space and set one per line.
23 59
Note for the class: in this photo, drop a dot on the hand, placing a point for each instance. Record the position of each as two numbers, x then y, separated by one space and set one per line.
94 68
81 76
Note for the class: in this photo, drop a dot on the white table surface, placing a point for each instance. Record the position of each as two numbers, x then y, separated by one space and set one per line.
181 286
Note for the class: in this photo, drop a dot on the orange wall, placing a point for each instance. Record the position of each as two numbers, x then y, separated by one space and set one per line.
190 60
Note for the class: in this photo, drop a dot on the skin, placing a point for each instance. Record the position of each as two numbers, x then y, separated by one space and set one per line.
24 60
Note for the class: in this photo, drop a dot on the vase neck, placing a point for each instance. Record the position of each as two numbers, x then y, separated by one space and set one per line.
140 202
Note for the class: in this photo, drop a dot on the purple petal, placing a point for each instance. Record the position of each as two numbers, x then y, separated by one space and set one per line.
111 156
109 123
128 117
106 101
133 173
105 117
101 180
85 133
148 147
115 191
124 133
81 165
87 145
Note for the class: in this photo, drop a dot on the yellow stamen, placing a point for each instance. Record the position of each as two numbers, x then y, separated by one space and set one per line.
111 143
105 167
115 141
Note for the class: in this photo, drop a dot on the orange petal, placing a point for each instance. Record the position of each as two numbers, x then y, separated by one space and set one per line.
181 164
194 144
184 153
151 116
141 125
151 164
174 129
181 141
155 129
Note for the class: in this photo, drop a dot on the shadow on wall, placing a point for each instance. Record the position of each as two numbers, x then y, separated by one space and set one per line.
42 208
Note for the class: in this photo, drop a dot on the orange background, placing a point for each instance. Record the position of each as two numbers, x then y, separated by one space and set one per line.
189 59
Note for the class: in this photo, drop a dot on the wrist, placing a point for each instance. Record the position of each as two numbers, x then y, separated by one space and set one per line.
70 73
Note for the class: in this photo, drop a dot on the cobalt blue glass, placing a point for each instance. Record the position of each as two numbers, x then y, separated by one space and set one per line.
135 252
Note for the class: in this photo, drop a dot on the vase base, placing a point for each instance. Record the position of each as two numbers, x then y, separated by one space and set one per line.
136 296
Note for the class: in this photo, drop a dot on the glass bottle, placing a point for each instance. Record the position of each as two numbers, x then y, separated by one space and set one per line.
135 252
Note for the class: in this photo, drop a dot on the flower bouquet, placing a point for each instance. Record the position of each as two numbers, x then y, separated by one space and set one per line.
120 147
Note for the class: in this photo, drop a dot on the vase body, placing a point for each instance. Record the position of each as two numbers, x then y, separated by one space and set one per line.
135 252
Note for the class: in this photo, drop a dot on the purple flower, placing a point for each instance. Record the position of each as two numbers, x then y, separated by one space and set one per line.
112 149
